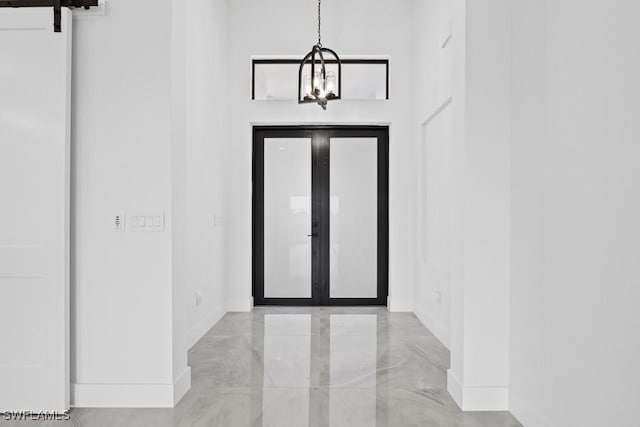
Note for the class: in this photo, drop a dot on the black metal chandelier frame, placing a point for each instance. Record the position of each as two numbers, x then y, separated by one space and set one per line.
316 58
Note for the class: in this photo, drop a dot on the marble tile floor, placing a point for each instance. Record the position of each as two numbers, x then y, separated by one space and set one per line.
309 367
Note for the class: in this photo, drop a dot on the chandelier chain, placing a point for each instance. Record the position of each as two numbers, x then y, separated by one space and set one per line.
319 38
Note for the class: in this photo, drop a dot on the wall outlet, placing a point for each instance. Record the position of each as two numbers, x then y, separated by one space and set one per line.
117 221
198 298
218 220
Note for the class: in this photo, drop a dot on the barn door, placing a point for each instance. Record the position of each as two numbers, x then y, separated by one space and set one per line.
35 64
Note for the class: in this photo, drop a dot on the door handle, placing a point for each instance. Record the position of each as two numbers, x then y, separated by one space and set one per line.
312 235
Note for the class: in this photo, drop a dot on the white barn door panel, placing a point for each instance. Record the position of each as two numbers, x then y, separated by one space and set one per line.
35 69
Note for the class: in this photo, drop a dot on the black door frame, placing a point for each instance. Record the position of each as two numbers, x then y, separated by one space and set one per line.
320 168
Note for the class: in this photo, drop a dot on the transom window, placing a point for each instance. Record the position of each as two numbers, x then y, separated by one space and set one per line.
362 79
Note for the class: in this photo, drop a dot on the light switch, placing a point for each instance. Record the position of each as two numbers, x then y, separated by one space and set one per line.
118 221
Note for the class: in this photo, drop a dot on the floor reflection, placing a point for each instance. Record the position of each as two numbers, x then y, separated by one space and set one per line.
324 367
311 367
353 369
341 356
328 367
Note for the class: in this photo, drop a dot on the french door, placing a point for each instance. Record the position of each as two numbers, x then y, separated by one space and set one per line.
320 215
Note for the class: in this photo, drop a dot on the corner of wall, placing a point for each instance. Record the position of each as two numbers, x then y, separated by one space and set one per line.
181 385
203 326
240 305
524 413
477 398
435 326
397 306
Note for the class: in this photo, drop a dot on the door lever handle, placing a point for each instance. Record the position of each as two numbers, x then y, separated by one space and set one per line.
312 235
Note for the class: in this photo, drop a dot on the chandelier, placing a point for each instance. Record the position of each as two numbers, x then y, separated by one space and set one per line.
316 84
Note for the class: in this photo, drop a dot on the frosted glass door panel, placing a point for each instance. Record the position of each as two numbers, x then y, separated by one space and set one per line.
354 221
287 217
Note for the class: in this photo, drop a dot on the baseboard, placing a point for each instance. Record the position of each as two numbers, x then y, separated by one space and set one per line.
240 305
477 398
396 307
436 327
454 387
87 395
527 415
181 385
203 326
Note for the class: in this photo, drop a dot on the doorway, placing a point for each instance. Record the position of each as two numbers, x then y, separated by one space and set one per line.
320 215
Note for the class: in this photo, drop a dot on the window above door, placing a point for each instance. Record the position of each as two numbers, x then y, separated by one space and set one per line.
277 78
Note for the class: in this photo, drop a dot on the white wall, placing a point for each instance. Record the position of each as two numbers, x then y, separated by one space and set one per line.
566 92
461 120
575 235
543 139
480 333
288 27
432 129
179 225
203 194
150 137
121 150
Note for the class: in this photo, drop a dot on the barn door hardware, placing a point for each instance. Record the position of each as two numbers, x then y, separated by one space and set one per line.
56 4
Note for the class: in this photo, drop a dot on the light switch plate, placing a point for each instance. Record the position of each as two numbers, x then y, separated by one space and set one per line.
146 221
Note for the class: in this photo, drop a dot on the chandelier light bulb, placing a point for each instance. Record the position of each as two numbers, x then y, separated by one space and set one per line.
307 85
331 82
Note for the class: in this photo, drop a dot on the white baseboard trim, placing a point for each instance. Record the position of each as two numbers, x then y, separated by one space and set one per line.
435 326
454 387
527 415
89 395
477 398
240 305
396 307
203 326
181 385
